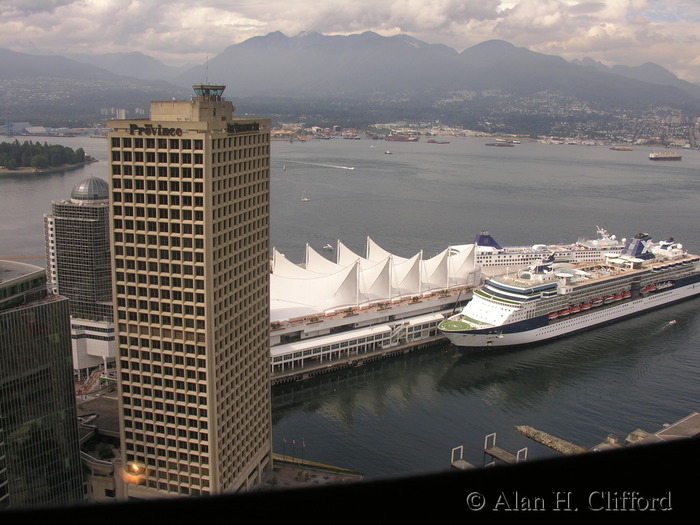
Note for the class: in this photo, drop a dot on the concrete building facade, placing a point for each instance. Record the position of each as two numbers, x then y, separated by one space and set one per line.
190 241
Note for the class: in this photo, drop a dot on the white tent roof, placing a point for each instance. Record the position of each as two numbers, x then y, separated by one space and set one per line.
321 285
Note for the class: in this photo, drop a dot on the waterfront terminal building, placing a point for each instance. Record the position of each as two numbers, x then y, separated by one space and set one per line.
326 312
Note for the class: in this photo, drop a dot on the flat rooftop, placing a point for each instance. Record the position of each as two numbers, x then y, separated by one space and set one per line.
13 271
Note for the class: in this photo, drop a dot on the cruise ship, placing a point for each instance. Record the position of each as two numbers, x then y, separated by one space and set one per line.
550 299
493 258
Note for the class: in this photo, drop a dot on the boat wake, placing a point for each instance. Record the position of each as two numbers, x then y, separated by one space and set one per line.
335 166
666 326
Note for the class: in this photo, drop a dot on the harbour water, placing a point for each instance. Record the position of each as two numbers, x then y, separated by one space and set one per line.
403 416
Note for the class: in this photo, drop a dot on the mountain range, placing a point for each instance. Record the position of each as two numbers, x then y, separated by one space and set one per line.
366 68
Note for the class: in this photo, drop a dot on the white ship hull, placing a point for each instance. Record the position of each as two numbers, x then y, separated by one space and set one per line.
499 336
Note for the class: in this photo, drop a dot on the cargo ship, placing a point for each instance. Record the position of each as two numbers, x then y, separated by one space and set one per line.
400 137
549 300
664 155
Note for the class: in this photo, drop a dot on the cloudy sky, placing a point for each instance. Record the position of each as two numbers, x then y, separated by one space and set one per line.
628 32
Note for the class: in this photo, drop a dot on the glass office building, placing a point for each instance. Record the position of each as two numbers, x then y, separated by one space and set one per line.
39 450
79 267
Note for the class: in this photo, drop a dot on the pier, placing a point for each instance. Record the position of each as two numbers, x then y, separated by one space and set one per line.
314 369
688 427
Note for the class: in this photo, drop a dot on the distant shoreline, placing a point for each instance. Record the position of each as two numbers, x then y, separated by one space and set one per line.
39 171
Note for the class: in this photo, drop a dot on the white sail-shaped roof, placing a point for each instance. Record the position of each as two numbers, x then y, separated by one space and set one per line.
377 253
375 282
462 267
434 273
315 291
316 262
322 285
405 277
345 256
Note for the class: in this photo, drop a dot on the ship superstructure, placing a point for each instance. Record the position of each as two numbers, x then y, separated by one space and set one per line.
551 299
494 258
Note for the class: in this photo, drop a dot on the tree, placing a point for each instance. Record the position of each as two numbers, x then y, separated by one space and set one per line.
39 162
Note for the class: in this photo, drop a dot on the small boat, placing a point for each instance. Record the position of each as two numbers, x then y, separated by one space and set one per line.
387 152
305 198
328 247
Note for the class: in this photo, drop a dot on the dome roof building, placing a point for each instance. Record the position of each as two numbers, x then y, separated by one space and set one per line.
90 189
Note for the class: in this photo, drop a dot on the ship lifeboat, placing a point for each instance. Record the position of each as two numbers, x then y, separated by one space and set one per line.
626 294
596 302
575 309
586 306
651 288
565 311
608 299
553 316
618 297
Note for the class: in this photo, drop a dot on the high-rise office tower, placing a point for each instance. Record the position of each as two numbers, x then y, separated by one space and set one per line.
79 267
190 216
39 443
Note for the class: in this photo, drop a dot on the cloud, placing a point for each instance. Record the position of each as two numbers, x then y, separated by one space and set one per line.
627 32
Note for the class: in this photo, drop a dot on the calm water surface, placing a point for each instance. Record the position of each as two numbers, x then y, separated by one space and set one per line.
403 416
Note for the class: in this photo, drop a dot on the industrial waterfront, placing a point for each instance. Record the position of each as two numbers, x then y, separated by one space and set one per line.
402 416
